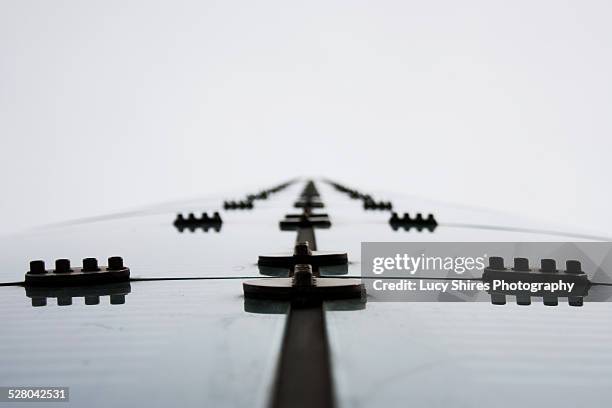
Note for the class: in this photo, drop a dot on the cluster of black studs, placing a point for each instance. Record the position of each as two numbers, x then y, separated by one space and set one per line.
547 272
91 294
354 194
204 222
247 203
264 194
66 275
214 222
369 202
238 205
418 222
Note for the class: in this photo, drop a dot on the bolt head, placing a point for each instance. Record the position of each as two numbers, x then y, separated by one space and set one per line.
37 267
573 266
496 262
548 265
62 266
90 265
115 263
521 264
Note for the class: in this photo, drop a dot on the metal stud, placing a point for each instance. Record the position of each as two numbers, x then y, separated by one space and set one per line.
521 264
548 265
38 267
90 265
62 266
115 263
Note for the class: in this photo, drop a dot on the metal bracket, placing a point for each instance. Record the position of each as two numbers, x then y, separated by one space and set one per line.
238 205
418 222
65 275
547 273
293 222
303 255
303 285
205 222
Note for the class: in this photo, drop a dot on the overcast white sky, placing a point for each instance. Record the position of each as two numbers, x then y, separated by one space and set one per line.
109 105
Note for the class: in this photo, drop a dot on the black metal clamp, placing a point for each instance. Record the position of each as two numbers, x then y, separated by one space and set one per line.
522 274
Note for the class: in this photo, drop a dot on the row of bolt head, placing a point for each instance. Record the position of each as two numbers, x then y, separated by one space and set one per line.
263 194
260 196
377 205
546 265
37 267
368 201
341 188
238 204
205 217
355 194
406 218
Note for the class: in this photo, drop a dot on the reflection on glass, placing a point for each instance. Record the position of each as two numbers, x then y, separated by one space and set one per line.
64 295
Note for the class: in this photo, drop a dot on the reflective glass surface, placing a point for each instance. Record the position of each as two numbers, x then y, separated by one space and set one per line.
171 343
472 355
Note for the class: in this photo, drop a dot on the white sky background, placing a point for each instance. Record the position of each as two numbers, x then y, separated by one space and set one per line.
109 105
